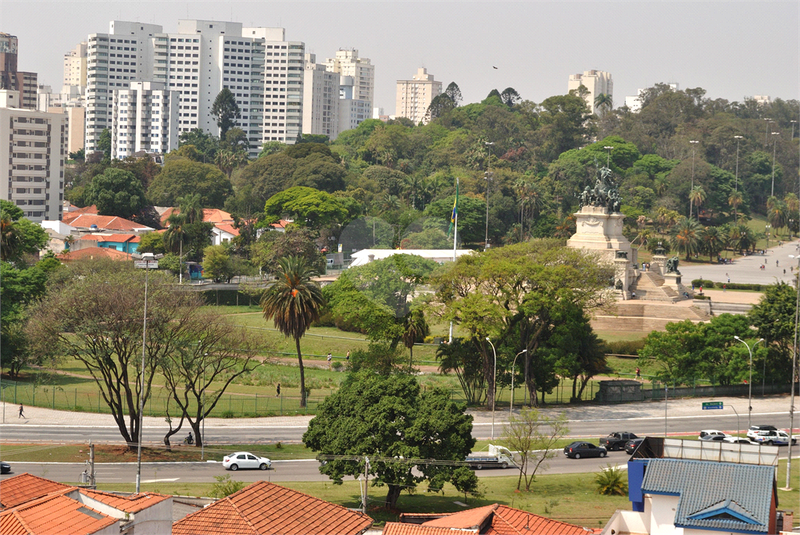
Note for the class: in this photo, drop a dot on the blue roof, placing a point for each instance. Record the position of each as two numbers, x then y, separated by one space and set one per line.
715 495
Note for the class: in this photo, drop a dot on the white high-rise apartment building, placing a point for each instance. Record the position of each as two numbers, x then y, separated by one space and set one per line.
320 99
262 70
597 82
144 119
34 145
347 63
352 111
75 67
414 96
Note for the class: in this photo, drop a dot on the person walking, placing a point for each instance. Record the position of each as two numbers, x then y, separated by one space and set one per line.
278 391
347 358
330 358
638 374
21 415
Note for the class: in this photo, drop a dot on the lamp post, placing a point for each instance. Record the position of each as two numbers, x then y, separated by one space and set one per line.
736 183
774 144
488 177
794 373
494 382
693 142
750 382
768 228
793 123
608 158
766 129
147 259
511 408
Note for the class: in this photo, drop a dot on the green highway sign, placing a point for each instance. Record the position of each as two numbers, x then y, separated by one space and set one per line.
711 405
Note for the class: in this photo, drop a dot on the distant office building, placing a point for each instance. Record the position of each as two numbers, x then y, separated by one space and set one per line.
12 79
75 67
320 99
761 100
347 63
144 119
414 96
352 111
262 70
597 82
34 145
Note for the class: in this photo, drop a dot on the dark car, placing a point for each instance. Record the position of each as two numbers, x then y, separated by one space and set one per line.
617 440
5 468
579 449
713 438
632 445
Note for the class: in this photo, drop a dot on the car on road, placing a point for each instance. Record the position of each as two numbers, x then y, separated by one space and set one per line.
243 460
5 468
580 449
713 438
633 444
774 438
711 433
754 430
736 440
616 440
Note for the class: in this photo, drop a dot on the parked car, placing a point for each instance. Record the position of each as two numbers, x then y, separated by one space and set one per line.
736 440
713 438
579 449
754 430
617 440
774 438
5 468
633 444
711 432
245 460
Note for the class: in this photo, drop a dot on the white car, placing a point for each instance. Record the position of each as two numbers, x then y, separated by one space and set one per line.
245 460
712 433
774 438
756 430
736 440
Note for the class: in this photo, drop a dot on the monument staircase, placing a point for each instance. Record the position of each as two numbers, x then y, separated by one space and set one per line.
645 316
649 286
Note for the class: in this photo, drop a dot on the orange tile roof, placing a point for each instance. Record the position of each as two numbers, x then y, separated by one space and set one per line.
493 519
116 238
26 487
53 515
92 253
227 227
210 215
103 222
128 504
267 509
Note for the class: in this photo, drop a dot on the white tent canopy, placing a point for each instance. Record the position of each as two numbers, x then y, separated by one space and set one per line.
441 256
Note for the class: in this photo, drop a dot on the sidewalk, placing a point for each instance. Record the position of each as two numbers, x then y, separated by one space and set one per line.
747 269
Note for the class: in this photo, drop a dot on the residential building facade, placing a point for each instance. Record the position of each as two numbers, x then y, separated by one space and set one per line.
144 119
34 145
596 82
414 96
12 79
320 99
352 110
347 63
75 66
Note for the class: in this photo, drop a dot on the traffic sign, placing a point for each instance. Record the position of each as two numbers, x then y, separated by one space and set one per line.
145 264
712 405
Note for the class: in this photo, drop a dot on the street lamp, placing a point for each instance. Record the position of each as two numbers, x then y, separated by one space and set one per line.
750 382
766 129
774 144
793 123
146 259
608 158
494 382
794 372
488 177
693 142
511 408
768 228
736 184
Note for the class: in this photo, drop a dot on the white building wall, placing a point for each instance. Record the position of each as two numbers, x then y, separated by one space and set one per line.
352 111
320 99
661 512
347 63
144 119
34 145
597 82
415 96
75 66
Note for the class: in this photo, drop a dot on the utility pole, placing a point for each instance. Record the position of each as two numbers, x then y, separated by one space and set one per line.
91 466
487 175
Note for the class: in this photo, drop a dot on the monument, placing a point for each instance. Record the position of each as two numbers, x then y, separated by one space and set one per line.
599 230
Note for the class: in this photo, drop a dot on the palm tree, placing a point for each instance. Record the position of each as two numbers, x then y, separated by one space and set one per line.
686 236
735 201
10 238
713 241
777 214
696 197
604 102
175 235
191 206
414 327
294 302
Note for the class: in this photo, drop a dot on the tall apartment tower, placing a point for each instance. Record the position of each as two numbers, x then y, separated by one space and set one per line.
347 63
75 67
597 82
12 79
144 119
320 99
34 145
415 95
352 110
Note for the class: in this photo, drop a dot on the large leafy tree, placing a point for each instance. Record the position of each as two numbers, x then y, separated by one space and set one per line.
293 302
226 111
388 420
296 241
774 319
19 236
182 176
116 192
308 207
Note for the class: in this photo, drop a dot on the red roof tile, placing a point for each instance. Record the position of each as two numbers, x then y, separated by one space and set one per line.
54 515
26 487
267 509
489 520
210 215
103 222
93 253
227 227
116 238
128 504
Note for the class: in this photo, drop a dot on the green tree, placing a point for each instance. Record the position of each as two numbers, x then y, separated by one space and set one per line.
180 177
295 241
396 426
203 145
773 318
697 196
308 207
104 144
735 200
152 242
459 357
226 111
676 352
604 102
116 192
713 241
610 481
217 263
19 236
294 302
534 436
415 329
686 236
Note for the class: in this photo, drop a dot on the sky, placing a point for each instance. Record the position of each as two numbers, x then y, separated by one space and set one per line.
732 49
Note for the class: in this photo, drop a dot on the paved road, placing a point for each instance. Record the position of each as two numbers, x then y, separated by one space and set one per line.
747 269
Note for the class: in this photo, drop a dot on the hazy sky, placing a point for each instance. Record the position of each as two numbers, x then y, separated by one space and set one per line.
731 49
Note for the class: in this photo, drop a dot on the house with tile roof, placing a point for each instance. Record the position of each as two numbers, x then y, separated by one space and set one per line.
210 215
265 508
223 232
686 487
33 505
103 223
93 253
126 243
492 519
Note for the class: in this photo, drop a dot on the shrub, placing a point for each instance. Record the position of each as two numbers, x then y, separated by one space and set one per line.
623 347
704 283
225 486
611 481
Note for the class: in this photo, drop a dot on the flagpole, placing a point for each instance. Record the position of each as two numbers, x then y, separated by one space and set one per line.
455 241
